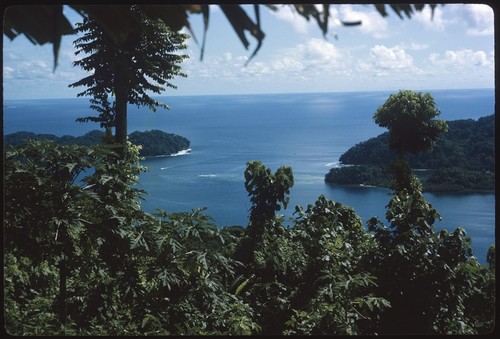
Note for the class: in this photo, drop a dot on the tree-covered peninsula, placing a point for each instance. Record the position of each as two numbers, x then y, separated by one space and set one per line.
463 159
153 142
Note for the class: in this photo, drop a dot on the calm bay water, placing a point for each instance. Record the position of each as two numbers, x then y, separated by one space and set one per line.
308 132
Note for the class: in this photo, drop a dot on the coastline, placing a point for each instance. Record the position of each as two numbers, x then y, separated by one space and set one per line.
467 191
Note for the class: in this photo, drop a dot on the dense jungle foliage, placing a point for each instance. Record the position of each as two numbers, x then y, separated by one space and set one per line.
82 258
153 142
463 159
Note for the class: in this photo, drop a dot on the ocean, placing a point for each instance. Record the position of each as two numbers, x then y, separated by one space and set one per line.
307 131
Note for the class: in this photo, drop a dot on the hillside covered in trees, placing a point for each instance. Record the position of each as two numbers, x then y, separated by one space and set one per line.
463 159
153 142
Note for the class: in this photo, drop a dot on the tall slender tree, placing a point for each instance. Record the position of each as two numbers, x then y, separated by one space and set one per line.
131 71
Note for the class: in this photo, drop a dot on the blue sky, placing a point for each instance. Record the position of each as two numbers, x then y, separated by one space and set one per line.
454 50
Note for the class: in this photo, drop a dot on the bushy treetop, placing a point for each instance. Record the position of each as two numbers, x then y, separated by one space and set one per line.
410 118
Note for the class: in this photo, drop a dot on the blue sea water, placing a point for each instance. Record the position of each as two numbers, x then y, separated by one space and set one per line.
307 131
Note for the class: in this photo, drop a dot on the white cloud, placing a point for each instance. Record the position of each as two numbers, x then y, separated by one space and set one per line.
318 51
390 58
320 62
479 19
257 69
372 23
463 68
314 57
287 64
308 61
461 58
479 59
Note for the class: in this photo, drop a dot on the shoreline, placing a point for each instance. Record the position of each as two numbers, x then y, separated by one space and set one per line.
424 190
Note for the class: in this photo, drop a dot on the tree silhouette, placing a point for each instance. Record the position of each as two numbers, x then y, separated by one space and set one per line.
142 64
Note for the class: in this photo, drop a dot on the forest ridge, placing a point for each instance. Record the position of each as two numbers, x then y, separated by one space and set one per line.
153 142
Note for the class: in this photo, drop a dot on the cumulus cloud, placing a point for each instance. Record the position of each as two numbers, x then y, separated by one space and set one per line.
479 19
304 60
464 57
257 69
390 57
314 56
313 59
287 64
318 51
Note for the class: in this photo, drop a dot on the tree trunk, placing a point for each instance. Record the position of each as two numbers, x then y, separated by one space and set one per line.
62 288
62 291
122 82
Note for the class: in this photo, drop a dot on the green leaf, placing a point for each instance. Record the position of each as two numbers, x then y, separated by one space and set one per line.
243 285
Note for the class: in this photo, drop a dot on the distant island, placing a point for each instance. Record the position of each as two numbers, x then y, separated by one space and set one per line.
462 160
154 142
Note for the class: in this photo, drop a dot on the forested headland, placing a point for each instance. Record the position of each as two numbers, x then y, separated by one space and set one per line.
153 142
463 159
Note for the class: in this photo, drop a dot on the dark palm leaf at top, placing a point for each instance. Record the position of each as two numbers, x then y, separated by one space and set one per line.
40 24
47 23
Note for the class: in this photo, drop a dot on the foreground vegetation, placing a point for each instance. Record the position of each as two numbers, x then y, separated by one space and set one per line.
153 142
463 159
82 258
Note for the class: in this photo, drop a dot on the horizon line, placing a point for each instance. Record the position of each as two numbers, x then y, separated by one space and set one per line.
270 93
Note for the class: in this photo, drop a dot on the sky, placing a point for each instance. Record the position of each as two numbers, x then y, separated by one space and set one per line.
454 49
